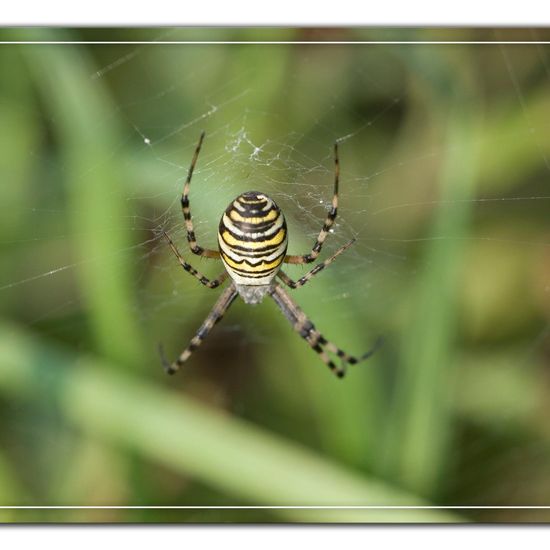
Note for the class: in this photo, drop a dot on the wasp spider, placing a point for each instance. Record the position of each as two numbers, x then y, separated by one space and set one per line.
252 239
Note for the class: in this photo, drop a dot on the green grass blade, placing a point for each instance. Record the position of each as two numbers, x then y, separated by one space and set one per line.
421 425
89 137
230 455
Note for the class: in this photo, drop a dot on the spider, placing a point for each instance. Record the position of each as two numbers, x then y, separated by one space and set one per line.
252 239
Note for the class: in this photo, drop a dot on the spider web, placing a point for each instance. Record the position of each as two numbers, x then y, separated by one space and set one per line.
295 168
279 141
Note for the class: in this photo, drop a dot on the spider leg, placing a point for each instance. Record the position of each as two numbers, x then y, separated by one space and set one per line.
329 221
310 274
306 329
186 210
190 269
215 315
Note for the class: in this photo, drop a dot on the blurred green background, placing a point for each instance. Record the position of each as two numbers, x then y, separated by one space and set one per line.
445 155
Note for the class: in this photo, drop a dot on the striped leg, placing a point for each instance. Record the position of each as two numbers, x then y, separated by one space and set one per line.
186 210
190 269
306 329
310 274
218 311
316 250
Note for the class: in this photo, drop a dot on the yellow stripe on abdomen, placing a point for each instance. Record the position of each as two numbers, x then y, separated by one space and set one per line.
248 268
270 216
278 238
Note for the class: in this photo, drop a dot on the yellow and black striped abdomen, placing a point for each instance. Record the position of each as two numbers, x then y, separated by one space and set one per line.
253 239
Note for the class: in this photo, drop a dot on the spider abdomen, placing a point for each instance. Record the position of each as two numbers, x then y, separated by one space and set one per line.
252 239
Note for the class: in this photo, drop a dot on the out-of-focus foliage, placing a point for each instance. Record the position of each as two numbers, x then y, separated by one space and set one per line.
445 153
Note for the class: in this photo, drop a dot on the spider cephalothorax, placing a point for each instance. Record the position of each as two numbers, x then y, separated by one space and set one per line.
252 239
